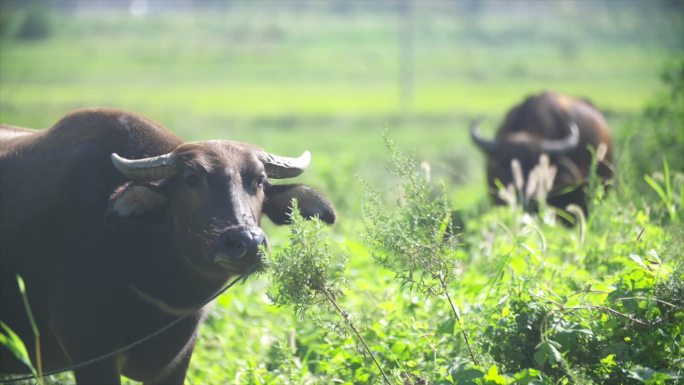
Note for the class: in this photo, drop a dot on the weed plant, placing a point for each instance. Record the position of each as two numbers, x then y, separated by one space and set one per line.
413 235
307 274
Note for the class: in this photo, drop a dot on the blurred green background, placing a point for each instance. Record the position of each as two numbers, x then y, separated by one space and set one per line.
330 76
270 63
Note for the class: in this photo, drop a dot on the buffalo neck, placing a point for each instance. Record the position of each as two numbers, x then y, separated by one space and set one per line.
155 270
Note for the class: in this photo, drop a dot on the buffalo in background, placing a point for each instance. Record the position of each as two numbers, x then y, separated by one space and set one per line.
543 150
119 228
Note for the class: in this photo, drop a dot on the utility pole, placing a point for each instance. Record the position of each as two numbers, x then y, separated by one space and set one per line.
406 58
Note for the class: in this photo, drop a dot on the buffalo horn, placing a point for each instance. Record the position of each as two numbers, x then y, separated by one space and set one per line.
487 145
562 146
280 167
145 169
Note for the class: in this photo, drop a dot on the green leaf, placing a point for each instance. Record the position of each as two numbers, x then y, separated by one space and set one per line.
12 341
656 187
399 347
608 361
650 376
494 376
547 352
639 261
466 377
20 283
528 376
361 376
668 182
443 227
447 327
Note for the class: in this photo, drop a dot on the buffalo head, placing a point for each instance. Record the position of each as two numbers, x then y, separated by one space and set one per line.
518 157
212 195
546 148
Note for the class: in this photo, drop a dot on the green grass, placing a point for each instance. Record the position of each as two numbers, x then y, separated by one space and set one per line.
290 78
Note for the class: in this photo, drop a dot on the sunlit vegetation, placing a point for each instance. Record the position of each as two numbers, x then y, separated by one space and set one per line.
442 287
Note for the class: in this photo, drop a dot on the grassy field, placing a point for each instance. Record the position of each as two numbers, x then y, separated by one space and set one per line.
331 77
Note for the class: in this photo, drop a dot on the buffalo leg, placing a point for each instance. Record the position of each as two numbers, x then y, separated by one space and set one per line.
77 342
175 376
170 360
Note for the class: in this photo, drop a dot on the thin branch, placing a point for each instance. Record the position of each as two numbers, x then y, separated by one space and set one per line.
625 298
650 299
588 291
434 350
458 319
548 300
353 328
607 310
593 307
401 369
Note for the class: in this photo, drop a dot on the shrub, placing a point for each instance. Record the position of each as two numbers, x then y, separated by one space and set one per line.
307 275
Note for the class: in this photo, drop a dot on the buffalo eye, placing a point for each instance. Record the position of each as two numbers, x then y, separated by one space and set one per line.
259 182
192 180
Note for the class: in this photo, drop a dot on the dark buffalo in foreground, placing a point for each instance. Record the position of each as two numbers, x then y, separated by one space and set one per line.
563 128
119 228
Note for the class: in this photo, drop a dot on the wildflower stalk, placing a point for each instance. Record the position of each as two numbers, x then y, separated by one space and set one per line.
456 316
351 325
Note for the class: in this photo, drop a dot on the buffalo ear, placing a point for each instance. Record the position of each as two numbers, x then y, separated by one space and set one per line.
278 203
136 201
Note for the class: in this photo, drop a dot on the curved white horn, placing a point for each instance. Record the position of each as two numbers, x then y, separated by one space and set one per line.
146 169
280 167
487 145
562 146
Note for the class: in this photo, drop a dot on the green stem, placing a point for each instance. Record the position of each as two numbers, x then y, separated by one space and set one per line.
34 327
458 319
358 335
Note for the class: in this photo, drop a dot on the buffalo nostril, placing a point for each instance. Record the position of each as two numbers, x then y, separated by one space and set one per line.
242 245
238 248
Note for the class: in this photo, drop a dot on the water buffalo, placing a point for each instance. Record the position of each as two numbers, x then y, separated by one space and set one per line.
119 228
559 126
